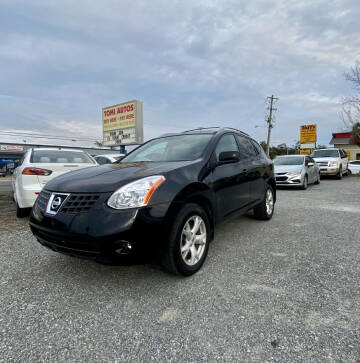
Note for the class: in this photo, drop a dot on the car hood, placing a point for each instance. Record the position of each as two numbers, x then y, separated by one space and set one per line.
326 159
287 168
110 177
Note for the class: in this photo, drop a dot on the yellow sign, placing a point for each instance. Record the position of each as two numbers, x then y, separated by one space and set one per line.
305 151
307 134
348 155
123 124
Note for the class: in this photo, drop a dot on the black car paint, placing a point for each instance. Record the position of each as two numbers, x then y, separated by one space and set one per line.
223 191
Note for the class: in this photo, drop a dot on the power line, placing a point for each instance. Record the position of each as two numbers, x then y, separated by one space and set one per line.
47 136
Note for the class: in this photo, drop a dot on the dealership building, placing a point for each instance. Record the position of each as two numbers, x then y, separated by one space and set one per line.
11 153
344 140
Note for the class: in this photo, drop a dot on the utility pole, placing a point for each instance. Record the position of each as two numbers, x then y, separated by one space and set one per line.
269 121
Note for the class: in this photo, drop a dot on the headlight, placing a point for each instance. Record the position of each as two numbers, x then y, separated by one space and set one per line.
135 194
334 163
294 173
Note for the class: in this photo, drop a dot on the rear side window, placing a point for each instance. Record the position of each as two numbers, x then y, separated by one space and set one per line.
247 149
226 143
60 157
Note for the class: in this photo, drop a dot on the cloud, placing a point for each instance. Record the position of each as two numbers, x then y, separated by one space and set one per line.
204 63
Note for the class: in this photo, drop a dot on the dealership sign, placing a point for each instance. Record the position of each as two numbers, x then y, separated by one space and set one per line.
307 134
123 124
11 148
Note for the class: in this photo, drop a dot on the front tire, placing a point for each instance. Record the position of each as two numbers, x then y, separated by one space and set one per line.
305 184
265 210
186 249
339 175
318 179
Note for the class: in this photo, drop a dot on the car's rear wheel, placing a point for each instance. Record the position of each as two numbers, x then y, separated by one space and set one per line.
188 242
265 209
21 212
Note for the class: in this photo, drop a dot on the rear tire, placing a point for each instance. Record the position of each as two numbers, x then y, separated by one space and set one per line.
188 243
265 210
21 212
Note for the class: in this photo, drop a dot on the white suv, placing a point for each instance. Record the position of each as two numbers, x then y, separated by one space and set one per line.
331 161
40 165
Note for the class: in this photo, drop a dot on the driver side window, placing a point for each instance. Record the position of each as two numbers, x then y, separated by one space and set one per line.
226 143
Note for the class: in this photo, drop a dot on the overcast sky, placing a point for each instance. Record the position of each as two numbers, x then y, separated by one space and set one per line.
192 63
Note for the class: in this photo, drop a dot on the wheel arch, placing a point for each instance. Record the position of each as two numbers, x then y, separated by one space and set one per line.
272 183
197 193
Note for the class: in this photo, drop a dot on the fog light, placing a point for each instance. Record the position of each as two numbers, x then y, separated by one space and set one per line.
123 247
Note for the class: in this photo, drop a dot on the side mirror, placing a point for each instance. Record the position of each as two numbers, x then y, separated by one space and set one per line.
310 164
229 157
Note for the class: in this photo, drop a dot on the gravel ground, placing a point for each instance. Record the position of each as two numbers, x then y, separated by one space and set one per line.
5 185
284 290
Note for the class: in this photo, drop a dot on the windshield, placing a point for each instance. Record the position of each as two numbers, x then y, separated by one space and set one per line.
60 157
293 160
171 148
325 154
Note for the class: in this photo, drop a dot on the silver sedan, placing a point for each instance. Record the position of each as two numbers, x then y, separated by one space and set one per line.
296 170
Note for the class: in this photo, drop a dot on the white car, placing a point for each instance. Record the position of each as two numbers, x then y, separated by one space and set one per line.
354 167
38 166
108 158
331 161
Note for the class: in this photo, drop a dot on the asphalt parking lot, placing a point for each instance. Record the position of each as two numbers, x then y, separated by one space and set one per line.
284 290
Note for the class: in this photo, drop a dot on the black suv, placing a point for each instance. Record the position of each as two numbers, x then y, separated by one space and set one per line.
167 196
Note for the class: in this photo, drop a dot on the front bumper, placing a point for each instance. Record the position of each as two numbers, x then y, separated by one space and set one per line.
287 180
102 233
329 170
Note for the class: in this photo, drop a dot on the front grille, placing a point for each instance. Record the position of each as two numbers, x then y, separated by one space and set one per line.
322 163
78 203
75 203
280 174
42 200
281 178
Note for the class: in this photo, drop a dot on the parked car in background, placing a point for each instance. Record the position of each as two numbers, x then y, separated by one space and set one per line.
165 198
108 158
354 167
39 165
331 161
296 170
3 171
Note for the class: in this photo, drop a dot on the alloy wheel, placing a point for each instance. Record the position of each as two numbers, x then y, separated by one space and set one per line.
269 202
193 240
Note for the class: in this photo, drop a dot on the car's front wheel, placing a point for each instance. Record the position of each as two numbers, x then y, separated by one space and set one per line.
265 209
305 183
188 242
339 175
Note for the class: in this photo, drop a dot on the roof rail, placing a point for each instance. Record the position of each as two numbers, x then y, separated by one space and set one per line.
202 128
216 127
